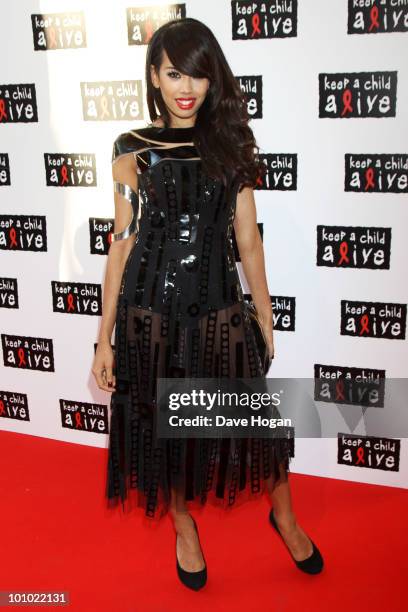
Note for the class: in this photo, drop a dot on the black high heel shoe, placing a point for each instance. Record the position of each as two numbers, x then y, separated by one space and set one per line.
311 565
192 580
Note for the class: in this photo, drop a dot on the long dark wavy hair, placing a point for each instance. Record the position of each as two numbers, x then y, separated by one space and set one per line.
222 135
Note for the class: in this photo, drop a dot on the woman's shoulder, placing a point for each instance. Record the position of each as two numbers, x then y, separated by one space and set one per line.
132 141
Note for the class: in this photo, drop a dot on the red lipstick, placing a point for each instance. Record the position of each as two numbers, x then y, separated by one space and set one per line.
185 103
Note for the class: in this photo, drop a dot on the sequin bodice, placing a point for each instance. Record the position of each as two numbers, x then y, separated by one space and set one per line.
183 258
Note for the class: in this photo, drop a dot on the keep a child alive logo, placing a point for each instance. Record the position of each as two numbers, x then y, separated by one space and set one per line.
5 177
112 100
14 405
376 172
8 292
28 353
18 103
100 235
70 169
283 311
281 172
358 94
373 320
379 17
76 298
252 87
353 247
52 31
378 453
254 19
143 21
23 233
336 384
84 416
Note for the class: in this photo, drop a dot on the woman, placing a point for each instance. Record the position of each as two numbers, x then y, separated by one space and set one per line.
173 291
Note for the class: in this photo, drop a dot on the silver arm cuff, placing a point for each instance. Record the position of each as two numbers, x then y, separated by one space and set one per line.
129 194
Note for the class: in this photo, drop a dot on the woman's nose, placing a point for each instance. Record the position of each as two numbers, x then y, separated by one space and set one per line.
186 85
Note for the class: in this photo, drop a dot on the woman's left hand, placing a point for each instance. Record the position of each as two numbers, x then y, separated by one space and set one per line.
271 348
268 331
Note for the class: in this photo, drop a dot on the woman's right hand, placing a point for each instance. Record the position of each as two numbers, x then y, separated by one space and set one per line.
102 367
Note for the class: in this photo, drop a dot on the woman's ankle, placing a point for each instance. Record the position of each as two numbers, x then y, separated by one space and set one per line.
182 520
286 520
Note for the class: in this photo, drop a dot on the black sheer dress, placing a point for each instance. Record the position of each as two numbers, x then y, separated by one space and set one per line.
180 313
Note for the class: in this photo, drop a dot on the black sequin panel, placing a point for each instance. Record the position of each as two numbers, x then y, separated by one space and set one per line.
184 241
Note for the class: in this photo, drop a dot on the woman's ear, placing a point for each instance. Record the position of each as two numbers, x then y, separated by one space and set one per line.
154 77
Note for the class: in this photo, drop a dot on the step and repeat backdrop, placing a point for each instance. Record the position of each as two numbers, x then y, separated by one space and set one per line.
327 91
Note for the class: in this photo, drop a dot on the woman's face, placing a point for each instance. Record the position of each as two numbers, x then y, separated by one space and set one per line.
182 94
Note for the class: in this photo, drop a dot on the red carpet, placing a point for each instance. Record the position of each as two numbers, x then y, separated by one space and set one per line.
57 535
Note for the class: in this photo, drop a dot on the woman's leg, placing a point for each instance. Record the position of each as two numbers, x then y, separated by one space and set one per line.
296 539
188 546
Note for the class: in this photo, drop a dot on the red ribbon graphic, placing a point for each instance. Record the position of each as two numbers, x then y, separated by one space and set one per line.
71 305
2 409
347 97
104 107
64 174
339 390
364 324
360 455
343 249
52 38
369 176
255 24
374 18
78 421
148 30
13 236
3 114
20 353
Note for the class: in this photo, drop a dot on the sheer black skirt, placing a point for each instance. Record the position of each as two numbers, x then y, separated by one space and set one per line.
151 473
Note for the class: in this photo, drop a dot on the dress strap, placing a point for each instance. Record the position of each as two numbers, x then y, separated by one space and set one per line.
129 194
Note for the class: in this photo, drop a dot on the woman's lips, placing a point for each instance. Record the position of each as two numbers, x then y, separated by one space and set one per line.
185 103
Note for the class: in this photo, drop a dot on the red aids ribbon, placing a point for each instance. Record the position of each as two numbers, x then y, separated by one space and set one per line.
52 38
259 181
360 455
2 409
110 237
3 114
343 249
13 236
374 18
70 299
364 324
78 422
339 390
255 24
148 30
20 353
64 174
347 97
369 176
104 107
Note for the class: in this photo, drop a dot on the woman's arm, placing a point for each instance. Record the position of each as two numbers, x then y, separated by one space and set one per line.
124 170
253 259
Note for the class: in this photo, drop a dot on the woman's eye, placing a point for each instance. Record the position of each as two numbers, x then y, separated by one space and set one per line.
173 74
